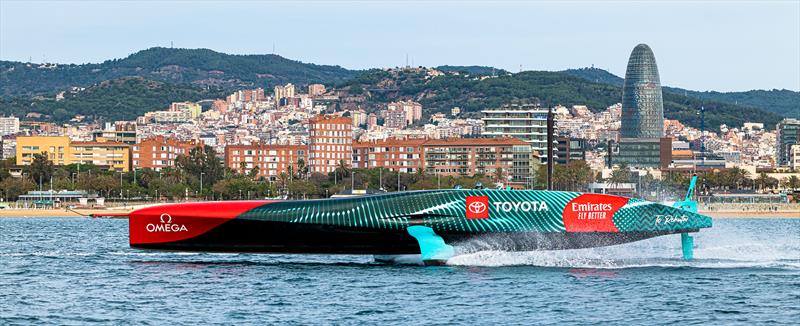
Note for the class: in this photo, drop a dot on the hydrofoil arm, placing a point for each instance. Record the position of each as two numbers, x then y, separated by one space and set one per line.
432 247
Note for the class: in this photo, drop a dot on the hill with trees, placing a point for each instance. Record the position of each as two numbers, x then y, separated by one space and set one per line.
780 101
151 79
473 94
201 67
473 70
117 99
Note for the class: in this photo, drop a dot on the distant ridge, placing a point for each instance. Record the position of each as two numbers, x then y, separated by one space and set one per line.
116 99
152 78
201 67
780 101
474 70
547 88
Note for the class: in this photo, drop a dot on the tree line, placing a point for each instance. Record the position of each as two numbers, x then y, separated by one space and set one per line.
202 174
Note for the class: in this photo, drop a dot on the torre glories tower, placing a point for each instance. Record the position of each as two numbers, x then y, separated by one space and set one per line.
642 142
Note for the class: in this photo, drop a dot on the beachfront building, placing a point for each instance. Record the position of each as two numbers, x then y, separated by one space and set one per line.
508 159
330 142
62 151
527 122
788 135
159 152
403 155
267 161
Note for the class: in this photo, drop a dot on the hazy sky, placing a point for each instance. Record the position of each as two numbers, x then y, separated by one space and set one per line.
704 46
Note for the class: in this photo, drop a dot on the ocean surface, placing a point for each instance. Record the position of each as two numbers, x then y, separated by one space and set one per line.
78 271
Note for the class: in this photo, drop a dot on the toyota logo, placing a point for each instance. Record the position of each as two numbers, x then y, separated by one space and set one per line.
166 218
477 207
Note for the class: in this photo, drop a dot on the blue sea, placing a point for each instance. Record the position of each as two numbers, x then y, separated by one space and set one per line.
81 271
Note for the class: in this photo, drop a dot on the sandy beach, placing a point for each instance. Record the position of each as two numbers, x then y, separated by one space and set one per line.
59 212
751 214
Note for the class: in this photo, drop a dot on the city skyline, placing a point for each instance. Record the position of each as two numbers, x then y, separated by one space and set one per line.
702 46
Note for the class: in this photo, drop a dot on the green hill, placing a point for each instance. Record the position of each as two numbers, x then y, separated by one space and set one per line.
151 79
440 94
780 101
201 67
473 70
117 99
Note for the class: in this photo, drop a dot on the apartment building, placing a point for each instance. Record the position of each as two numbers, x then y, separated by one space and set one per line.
392 154
158 152
62 151
269 160
510 157
451 157
330 142
527 122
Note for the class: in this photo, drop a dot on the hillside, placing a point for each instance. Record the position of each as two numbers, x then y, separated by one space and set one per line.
201 67
473 70
117 99
151 79
782 102
441 93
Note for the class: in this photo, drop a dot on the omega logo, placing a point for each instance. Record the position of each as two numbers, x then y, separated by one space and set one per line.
166 225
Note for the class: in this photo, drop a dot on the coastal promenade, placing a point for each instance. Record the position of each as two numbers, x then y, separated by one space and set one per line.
59 212
740 210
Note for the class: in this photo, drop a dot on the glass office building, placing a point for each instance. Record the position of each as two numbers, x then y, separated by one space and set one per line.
788 135
642 105
524 121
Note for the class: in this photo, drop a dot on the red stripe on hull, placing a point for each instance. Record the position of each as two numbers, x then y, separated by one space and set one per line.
176 222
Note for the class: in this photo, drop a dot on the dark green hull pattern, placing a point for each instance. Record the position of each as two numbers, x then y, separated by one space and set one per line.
445 211
410 223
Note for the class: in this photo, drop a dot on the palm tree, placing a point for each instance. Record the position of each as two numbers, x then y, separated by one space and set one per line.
619 175
762 180
342 168
736 176
283 181
302 169
793 182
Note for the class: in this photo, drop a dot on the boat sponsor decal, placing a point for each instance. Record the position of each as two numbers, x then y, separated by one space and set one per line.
592 213
477 207
464 211
670 219
166 225
521 206
175 222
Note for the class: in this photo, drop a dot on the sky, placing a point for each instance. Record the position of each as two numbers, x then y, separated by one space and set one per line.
719 45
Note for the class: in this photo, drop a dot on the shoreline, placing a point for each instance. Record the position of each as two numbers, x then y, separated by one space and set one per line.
751 214
60 212
88 212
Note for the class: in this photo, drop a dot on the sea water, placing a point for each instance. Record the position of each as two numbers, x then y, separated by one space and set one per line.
78 271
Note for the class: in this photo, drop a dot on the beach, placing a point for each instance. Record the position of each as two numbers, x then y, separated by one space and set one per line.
61 212
751 214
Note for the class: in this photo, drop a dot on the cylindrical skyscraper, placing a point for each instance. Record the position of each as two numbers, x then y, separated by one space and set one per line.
642 105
